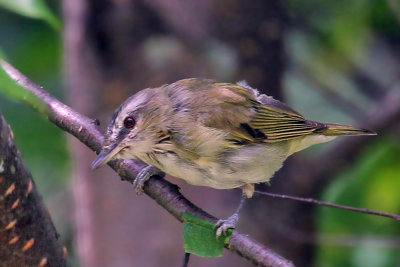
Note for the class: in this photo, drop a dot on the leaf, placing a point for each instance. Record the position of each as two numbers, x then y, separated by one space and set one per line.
36 9
2 55
199 237
11 89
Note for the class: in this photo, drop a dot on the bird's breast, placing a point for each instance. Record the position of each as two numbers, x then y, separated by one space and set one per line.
231 169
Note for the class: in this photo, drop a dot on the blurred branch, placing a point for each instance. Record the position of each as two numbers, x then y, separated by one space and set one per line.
331 95
382 118
345 240
335 239
372 75
395 6
163 192
28 236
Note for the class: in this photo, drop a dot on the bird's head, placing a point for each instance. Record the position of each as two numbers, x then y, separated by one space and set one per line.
131 128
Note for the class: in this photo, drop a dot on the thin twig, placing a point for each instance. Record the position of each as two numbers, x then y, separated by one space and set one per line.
163 192
186 259
322 203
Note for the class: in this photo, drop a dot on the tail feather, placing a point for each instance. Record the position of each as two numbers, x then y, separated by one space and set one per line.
324 132
331 129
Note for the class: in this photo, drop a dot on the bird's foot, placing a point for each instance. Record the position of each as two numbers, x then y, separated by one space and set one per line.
222 226
145 175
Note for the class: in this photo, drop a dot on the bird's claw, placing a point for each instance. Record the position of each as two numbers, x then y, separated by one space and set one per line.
223 226
145 175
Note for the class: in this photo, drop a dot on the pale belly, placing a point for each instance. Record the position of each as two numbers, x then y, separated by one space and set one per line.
249 165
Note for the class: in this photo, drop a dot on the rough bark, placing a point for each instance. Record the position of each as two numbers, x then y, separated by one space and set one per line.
28 236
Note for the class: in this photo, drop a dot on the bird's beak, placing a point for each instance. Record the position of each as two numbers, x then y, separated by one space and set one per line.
105 156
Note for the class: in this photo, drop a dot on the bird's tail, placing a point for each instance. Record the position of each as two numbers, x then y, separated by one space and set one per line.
331 129
325 132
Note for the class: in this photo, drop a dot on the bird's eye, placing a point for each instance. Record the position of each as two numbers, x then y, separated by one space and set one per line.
129 122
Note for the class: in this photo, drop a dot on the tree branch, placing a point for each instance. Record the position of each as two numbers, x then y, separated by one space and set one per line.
332 205
28 236
163 192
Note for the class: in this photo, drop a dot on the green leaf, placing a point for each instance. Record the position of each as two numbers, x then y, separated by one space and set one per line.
12 90
36 9
199 237
2 55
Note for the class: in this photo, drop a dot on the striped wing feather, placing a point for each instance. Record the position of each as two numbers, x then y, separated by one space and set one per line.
275 120
247 116
280 123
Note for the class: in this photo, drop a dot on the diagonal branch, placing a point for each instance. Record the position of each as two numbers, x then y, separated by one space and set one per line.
163 192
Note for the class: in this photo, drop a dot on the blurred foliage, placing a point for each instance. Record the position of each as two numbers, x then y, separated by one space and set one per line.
32 8
364 240
11 89
335 44
349 49
35 49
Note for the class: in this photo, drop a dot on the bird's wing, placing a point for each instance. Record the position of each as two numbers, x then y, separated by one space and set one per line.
279 122
211 117
257 118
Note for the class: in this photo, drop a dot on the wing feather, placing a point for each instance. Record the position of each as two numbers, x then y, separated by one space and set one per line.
279 123
236 115
253 117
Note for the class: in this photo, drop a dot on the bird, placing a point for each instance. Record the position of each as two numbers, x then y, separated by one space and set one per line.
214 134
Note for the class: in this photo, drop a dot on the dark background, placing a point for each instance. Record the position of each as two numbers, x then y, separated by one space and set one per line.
333 61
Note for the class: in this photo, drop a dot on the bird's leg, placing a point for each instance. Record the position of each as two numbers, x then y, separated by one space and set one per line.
144 175
223 225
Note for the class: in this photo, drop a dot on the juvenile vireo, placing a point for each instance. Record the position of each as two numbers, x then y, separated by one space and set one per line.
220 135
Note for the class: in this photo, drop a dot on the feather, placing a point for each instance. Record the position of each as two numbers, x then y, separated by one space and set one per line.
230 116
